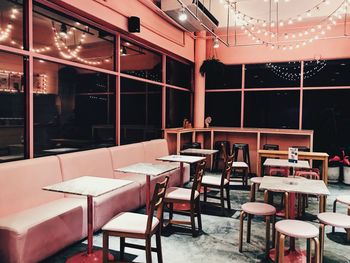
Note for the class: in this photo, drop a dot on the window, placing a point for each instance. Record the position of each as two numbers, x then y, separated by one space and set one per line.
224 108
178 73
271 109
60 36
178 107
141 111
74 109
11 23
12 107
272 75
231 79
140 62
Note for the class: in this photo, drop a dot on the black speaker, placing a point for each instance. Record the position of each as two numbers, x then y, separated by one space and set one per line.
134 24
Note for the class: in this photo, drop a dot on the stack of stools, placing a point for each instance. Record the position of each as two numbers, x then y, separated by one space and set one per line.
220 155
257 209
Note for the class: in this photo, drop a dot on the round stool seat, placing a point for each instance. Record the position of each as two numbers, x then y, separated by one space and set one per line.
334 219
344 199
256 180
260 209
297 229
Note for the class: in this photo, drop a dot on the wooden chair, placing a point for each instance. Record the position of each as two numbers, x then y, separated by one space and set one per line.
140 226
178 195
222 183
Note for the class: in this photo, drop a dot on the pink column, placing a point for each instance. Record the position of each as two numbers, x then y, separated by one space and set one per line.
199 81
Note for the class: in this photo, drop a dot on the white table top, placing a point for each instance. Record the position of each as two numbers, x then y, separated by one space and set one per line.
88 185
182 158
147 168
199 151
286 163
60 150
239 165
295 185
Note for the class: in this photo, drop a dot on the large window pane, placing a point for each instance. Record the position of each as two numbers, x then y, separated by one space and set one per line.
178 107
224 108
64 37
271 109
140 62
12 105
325 73
141 111
11 23
327 113
178 73
231 78
74 109
272 75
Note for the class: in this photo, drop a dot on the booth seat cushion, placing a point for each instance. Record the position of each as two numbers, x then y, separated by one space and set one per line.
34 234
22 181
155 149
126 155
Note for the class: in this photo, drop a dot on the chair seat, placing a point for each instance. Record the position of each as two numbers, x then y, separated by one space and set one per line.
297 229
256 180
213 180
335 219
239 165
344 199
129 223
178 193
260 209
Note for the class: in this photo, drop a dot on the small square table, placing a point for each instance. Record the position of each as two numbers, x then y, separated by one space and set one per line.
286 163
89 186
201 152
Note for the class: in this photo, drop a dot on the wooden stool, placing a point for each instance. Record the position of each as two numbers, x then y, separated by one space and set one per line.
255 182
343 199
296 229
257 209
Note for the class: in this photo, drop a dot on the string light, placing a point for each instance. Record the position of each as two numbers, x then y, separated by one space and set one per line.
4 34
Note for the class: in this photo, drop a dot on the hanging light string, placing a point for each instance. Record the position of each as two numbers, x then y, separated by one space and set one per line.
6 32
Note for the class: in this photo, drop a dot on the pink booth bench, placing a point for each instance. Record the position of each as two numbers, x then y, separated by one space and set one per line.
35 224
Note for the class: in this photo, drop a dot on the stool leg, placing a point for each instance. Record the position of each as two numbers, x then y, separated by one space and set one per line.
241 218
252 192
317 249
267 238
105 247
273 230
308 250
249 225
286 200
281 248
266 196
321 238
277 245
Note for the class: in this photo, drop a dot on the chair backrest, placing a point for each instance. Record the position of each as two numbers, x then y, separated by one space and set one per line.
197 179
227 171
308 174
157 203
224 151
273 171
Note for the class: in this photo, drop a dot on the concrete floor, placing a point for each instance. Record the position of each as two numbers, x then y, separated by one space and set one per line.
219 240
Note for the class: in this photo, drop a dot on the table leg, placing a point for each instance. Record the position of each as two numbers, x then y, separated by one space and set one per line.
181 174
90 223
148 193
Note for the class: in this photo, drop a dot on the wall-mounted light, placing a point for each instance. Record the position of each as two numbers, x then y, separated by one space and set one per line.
123 51
216 43
183 15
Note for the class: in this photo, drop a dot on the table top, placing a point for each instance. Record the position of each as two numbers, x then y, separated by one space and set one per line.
147 168
182 158
88 185
294 184
239 165
199 151
286 163
61 150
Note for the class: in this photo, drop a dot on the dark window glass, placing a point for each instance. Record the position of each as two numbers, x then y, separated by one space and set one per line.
140 110
325 73
178 73
272 75
327 113
11 23
272 109
231 78
224 108
74 109
64 37
178 107
12 105
140 62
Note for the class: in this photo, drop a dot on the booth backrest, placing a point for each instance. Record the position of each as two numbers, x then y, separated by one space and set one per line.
155 149
96 162
22 181
127 154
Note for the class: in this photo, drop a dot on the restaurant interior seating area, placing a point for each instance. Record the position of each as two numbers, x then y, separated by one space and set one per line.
174 131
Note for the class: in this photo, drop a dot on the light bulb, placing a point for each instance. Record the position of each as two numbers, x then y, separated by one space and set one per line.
216 43
183 15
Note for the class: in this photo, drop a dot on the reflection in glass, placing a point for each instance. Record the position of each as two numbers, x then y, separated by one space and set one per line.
140 62
60 36
140 110
178 107
74 109
11 23
178 73
12 103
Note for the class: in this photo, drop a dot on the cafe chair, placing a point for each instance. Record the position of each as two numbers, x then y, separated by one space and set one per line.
191 197
343 199
297 229
139 226
222 183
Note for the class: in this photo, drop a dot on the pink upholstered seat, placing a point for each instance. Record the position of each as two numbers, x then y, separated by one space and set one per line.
213 180
130 223
256 180
335 219
259 209
178 193
297 229
344 199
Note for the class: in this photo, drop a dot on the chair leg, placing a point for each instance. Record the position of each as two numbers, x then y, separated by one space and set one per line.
286 200
321 238
205 194
193 223
334 211
267 237
252 193
122 248
249 224
241 219
159 247
308 250
228 197
281 248
105 247
171 211
148 250
222 201
317 249
199 216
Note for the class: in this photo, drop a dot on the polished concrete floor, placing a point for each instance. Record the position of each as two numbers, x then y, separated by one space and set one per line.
219 240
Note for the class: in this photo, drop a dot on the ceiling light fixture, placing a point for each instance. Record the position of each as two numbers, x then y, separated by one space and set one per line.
183 15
